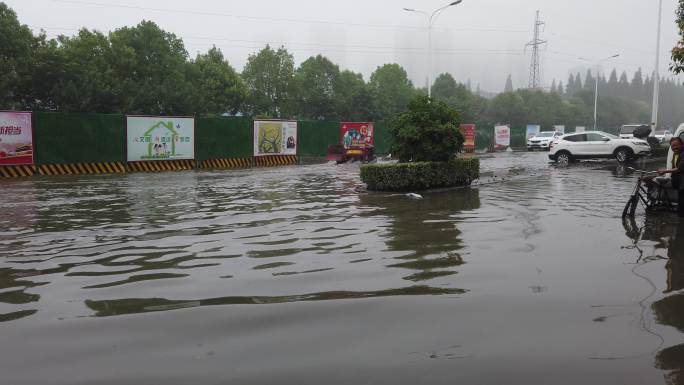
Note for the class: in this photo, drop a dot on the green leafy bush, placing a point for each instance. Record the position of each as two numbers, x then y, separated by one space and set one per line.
427 132
420 175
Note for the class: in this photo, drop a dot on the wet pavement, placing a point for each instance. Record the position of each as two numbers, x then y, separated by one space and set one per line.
299 276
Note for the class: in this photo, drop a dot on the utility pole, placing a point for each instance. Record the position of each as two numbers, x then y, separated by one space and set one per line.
656 75
535 66
431 18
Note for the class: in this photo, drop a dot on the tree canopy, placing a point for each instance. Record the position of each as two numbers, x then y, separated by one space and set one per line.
427 132
145 70
678 51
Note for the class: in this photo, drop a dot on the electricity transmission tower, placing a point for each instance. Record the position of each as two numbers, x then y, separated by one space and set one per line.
536 43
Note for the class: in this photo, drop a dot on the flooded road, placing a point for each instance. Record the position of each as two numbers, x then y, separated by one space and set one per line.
299 276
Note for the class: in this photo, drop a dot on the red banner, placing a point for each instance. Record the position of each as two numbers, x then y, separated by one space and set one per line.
357 134
468 131
16 138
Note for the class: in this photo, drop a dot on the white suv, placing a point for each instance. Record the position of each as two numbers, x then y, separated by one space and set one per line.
627 130
597 144
542 140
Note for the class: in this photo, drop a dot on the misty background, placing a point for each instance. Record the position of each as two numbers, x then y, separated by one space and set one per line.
481 41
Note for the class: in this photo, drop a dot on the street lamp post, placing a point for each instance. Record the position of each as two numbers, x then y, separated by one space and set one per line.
431 18
656 75
596 90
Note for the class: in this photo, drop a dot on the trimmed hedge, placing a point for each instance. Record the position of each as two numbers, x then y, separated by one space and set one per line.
420 175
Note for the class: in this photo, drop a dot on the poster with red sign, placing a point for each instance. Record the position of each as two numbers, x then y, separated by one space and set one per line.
16 139
502 137
468 131
357 135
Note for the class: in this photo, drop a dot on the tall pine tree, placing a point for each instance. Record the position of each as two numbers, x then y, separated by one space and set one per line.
589 81
571 85
509 84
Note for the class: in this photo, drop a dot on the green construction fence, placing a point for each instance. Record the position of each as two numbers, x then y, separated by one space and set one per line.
223 138
316 136
383 139
64 138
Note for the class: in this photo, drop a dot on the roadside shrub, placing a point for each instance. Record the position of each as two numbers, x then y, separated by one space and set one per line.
420 175
427 132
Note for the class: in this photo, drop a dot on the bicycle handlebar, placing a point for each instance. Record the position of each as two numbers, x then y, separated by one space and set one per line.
642 171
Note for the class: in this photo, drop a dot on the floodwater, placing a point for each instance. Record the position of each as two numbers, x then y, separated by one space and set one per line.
299 276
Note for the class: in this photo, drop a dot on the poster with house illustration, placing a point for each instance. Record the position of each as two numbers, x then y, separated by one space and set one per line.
275 138
160 138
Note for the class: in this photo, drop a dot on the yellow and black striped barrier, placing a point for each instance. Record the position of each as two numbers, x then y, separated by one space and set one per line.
17 171
161 166
82 168
226 163
278 160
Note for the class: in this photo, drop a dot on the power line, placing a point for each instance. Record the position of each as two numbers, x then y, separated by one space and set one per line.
279 19
595 42
349 48
344 47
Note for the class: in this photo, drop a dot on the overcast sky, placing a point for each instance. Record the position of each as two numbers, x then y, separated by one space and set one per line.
480 40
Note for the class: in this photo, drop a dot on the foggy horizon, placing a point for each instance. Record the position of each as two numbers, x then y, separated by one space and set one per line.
480 41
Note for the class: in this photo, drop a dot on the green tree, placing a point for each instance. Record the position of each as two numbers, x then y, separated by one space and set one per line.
314 88
17 45
543 108
151 69
509 84
391 90
570 88
589 81
268 76
458 97
678 51
218 88
37 86
575 112
637 85
427 132
444 87
87 83
578 83
508 108
352 98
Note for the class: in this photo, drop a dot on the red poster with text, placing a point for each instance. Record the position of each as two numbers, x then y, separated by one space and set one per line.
468 131
16 139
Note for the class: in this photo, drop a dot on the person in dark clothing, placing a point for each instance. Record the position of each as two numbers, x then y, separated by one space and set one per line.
677 171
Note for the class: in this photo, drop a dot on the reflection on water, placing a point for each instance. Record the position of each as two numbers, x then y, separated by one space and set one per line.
260 236
668 235
134 305
424 231
298 275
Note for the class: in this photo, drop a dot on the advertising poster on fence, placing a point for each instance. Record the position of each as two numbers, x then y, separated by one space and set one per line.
559 128
160 138
468 131
580 129
357 134
275 138
533 130
502 137
16 139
